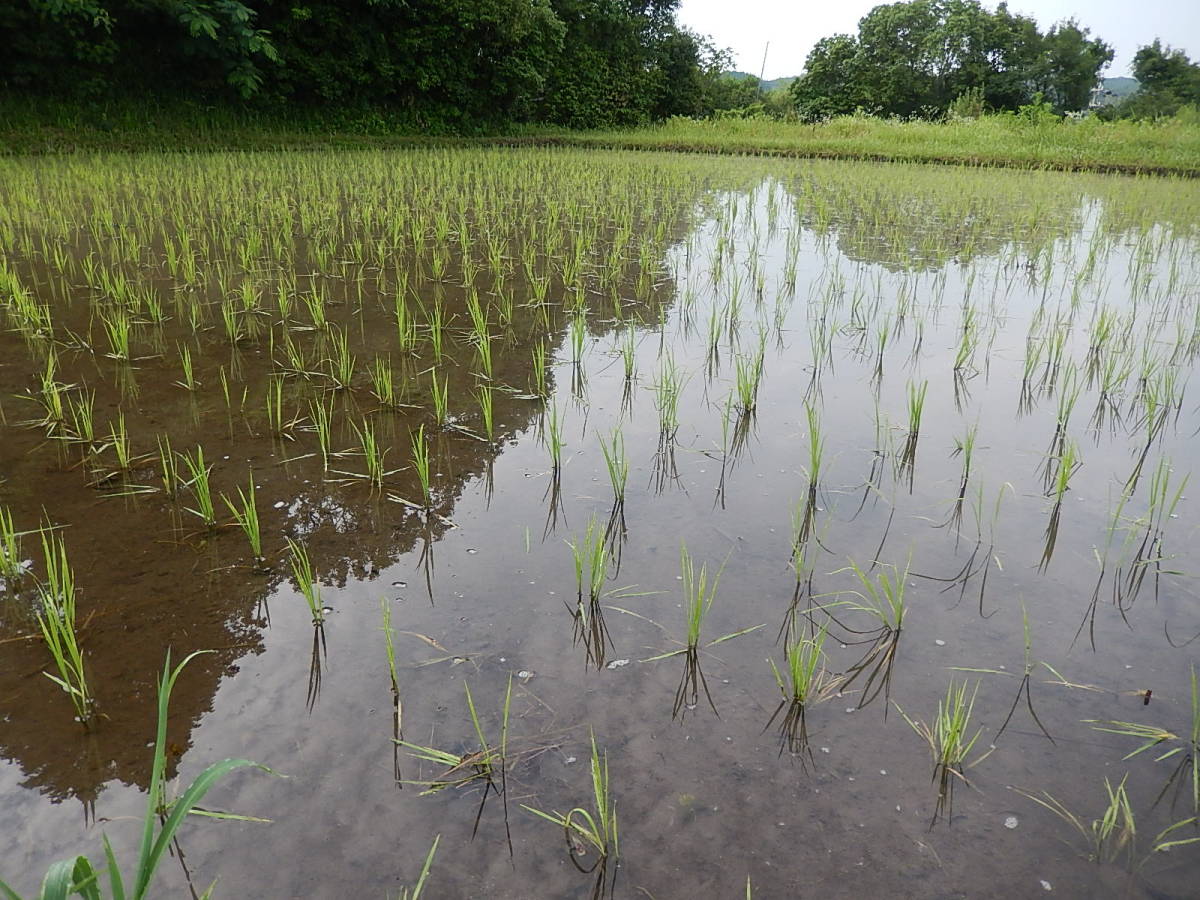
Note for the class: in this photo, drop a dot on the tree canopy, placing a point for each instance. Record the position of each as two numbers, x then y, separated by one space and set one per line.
915 58
449 63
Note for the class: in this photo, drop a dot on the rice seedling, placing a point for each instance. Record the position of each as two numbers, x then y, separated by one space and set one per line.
1024 689
882 601
168 466
628 347
314 303
907 459
12 567
748 372
306 582
1113 835
592 830
483 350
698 597
441 398
321 414
49 397
373 456
881 597
486 412
804 681
578 337
406 326
1068 395
245 513
118 441
591 558
225 388
1186 774
415 892
1068 462
189 382
617 464
160 822
82 426
950 743
56 621
1111 377
805 517
554 438
234 323
967 344
488 764
280 425
200 488
420 461
435 325
667 389
964 448
117 326
342 362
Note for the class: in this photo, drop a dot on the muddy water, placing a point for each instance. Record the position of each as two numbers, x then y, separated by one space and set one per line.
856 282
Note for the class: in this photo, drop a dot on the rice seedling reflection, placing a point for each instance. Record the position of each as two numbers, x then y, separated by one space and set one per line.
804 681
950 743
1066 464
591 559
397 705
907 460
882 601
487 765
804 521
698 597
593 830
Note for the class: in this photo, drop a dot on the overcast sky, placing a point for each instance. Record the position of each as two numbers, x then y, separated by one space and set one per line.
793 26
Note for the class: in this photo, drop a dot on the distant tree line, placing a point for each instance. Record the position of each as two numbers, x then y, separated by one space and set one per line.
434 63
917 58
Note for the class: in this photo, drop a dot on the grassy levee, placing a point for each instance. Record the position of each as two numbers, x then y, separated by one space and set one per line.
1166 147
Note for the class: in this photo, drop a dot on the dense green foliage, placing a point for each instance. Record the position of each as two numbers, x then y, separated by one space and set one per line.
916 58
1169 81
429 64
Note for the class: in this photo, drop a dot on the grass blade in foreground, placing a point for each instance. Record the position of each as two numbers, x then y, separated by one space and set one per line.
160 823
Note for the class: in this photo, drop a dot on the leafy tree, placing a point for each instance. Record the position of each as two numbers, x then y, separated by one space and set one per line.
431 64
1168 81
1071 65
831 84
915 58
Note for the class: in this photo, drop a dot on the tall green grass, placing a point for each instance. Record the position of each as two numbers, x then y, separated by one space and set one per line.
160 822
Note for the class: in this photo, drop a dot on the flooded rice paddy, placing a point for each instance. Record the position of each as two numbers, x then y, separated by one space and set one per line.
824 526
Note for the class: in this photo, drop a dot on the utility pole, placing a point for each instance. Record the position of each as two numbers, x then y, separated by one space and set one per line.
763 70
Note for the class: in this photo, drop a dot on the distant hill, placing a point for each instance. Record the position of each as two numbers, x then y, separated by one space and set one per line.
1122 87
767 86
